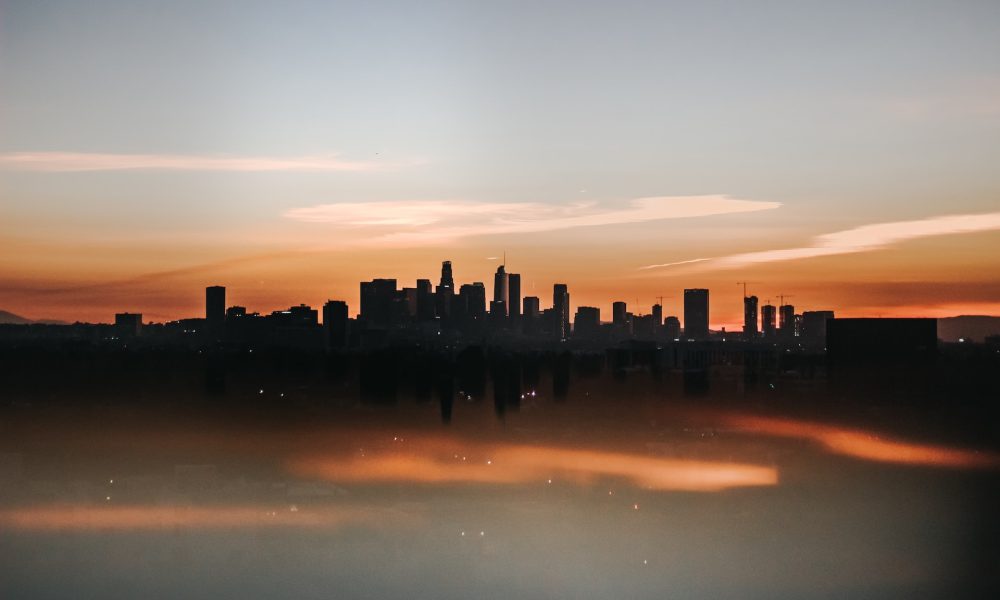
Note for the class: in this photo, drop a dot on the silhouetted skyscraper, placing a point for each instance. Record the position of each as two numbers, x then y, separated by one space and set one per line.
500 291
531 307
657 317
587 322
696 313
786 320
560 307
474 299
767 318
335 321
378 298
447 280
215 307
514 295
618 314
425 300
750 317
445 292
672 328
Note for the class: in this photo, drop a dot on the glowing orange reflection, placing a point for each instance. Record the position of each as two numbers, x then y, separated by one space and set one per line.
60 517
444 461
866 445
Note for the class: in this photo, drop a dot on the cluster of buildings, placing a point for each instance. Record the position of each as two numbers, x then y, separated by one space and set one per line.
390 313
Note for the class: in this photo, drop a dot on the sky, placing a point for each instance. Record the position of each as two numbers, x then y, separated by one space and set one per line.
842 155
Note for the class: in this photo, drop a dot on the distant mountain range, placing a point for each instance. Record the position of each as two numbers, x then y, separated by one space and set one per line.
9 318
969 327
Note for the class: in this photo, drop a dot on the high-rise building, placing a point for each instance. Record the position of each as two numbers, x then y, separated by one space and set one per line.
750 317
560 307
657 317
618 313
696 314
514 295
215 306
335 321
531 307
642 326
378 300
786 320
447 280
587 322
767 319
672 328
445 294
500 291
425 300
474 299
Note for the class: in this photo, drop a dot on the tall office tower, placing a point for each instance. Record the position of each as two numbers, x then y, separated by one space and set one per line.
498 313
335 324
786 320
696 314
657 317
587 322
378 301
500 290
215 306
767 314
514 295
531 304
473 299
447 281
750 317
445 295
618 313
672 328
560 307
425 300
642 326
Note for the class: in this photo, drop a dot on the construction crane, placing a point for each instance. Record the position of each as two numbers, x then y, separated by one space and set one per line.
744 284
781 298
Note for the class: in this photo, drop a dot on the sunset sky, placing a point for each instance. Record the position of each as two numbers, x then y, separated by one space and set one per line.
846 155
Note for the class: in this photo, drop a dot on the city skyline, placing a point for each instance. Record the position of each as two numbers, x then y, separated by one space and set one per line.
616 149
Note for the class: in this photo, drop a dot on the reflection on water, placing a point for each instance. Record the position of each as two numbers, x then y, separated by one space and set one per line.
63 517
446 461
865 445
607 492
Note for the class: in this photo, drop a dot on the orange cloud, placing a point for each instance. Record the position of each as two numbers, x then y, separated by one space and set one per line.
860 239
435 221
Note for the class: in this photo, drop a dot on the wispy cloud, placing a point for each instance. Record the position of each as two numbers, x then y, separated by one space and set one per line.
440 220
860 239
674 264
77 162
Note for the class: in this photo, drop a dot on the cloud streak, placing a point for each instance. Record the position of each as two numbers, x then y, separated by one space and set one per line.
865 238
442 220
83 162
